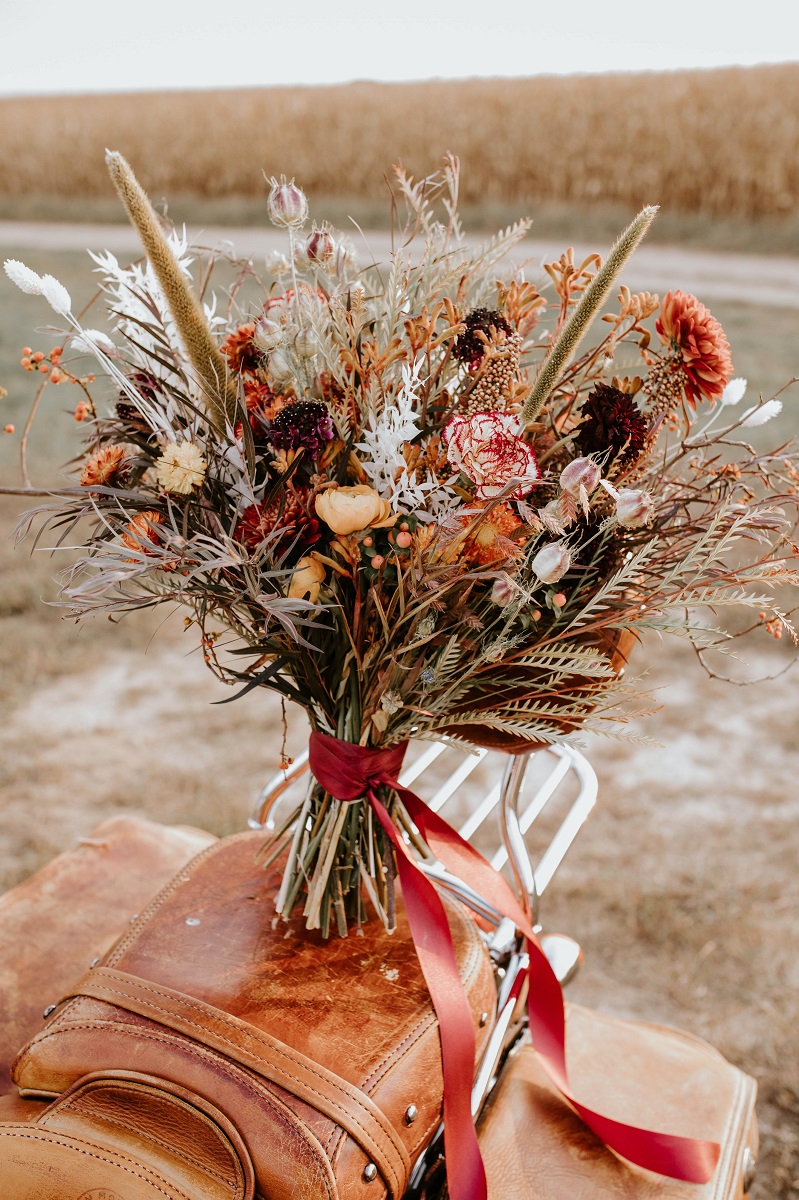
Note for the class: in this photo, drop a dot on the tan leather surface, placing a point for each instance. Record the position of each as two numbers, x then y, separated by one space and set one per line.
70 912
536 1148
123 1139
358 1007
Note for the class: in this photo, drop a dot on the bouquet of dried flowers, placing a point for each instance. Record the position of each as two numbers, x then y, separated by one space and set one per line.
407 497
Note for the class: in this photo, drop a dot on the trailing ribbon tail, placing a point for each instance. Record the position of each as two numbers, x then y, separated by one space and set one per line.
350 772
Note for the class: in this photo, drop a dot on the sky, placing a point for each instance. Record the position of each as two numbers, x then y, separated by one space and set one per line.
106 45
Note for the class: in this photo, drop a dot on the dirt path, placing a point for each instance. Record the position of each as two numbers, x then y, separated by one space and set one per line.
756 279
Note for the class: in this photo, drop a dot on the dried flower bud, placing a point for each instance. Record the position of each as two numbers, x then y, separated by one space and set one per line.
504 591
320 247
287 204
306 580
582 473
268 335
634 508
280 368
306 343
552 562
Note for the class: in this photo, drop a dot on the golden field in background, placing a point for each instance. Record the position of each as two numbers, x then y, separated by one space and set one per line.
717 143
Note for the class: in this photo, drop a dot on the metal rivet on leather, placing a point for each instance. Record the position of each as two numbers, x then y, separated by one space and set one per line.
135 917
192 920
50 1009
749 1165
411 1113
483 1019
94 961
370 1172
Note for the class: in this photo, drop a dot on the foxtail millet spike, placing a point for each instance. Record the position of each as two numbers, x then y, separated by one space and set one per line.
184 306
589 305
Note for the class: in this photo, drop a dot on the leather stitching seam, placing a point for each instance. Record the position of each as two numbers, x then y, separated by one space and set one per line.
279 1110
284 1052
106 1157
69 1106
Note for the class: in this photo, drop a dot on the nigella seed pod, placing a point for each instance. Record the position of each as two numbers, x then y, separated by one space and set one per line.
287 204
579 474
504 591
634 509
268 335
552 562
306 343
280 368
320 247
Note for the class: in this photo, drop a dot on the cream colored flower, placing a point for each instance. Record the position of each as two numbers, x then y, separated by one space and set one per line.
181 468
350 509
307 579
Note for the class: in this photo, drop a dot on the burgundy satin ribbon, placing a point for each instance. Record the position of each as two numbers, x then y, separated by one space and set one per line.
351 773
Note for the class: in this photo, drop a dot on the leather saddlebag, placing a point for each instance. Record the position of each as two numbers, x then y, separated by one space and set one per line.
121 1138
323 1054
536 1148
72 910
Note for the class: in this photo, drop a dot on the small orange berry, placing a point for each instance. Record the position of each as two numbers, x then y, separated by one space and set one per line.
55 375
559 599
536 614
38 356
81 410
27 350
9 428
26 363
44 367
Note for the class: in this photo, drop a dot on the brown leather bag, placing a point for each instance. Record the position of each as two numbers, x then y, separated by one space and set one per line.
536 1148
124 1137
324 1054
72 911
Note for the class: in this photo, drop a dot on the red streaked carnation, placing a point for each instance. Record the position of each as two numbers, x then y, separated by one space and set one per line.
487 450
695 334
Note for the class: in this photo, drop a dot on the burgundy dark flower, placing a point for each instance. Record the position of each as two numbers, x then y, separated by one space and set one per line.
611 422
306 423
468 346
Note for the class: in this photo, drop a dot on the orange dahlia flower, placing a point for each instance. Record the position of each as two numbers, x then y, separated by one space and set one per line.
699 341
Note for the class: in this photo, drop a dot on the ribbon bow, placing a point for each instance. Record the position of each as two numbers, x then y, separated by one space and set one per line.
349 773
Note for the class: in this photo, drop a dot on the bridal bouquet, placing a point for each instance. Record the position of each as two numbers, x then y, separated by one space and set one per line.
409 496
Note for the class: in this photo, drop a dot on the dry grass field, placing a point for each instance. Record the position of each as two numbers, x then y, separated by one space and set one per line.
717 144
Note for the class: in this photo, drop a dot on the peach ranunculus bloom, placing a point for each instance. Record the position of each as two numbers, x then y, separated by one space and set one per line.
700 342
350 509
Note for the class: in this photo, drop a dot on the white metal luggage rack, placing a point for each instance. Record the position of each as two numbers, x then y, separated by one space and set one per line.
554 788
438 779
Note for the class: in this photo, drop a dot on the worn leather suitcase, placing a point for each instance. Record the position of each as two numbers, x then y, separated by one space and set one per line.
536 1148
121 1134
324 1054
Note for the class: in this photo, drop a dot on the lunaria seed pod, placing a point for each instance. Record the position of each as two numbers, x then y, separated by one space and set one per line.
287 204
320 247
